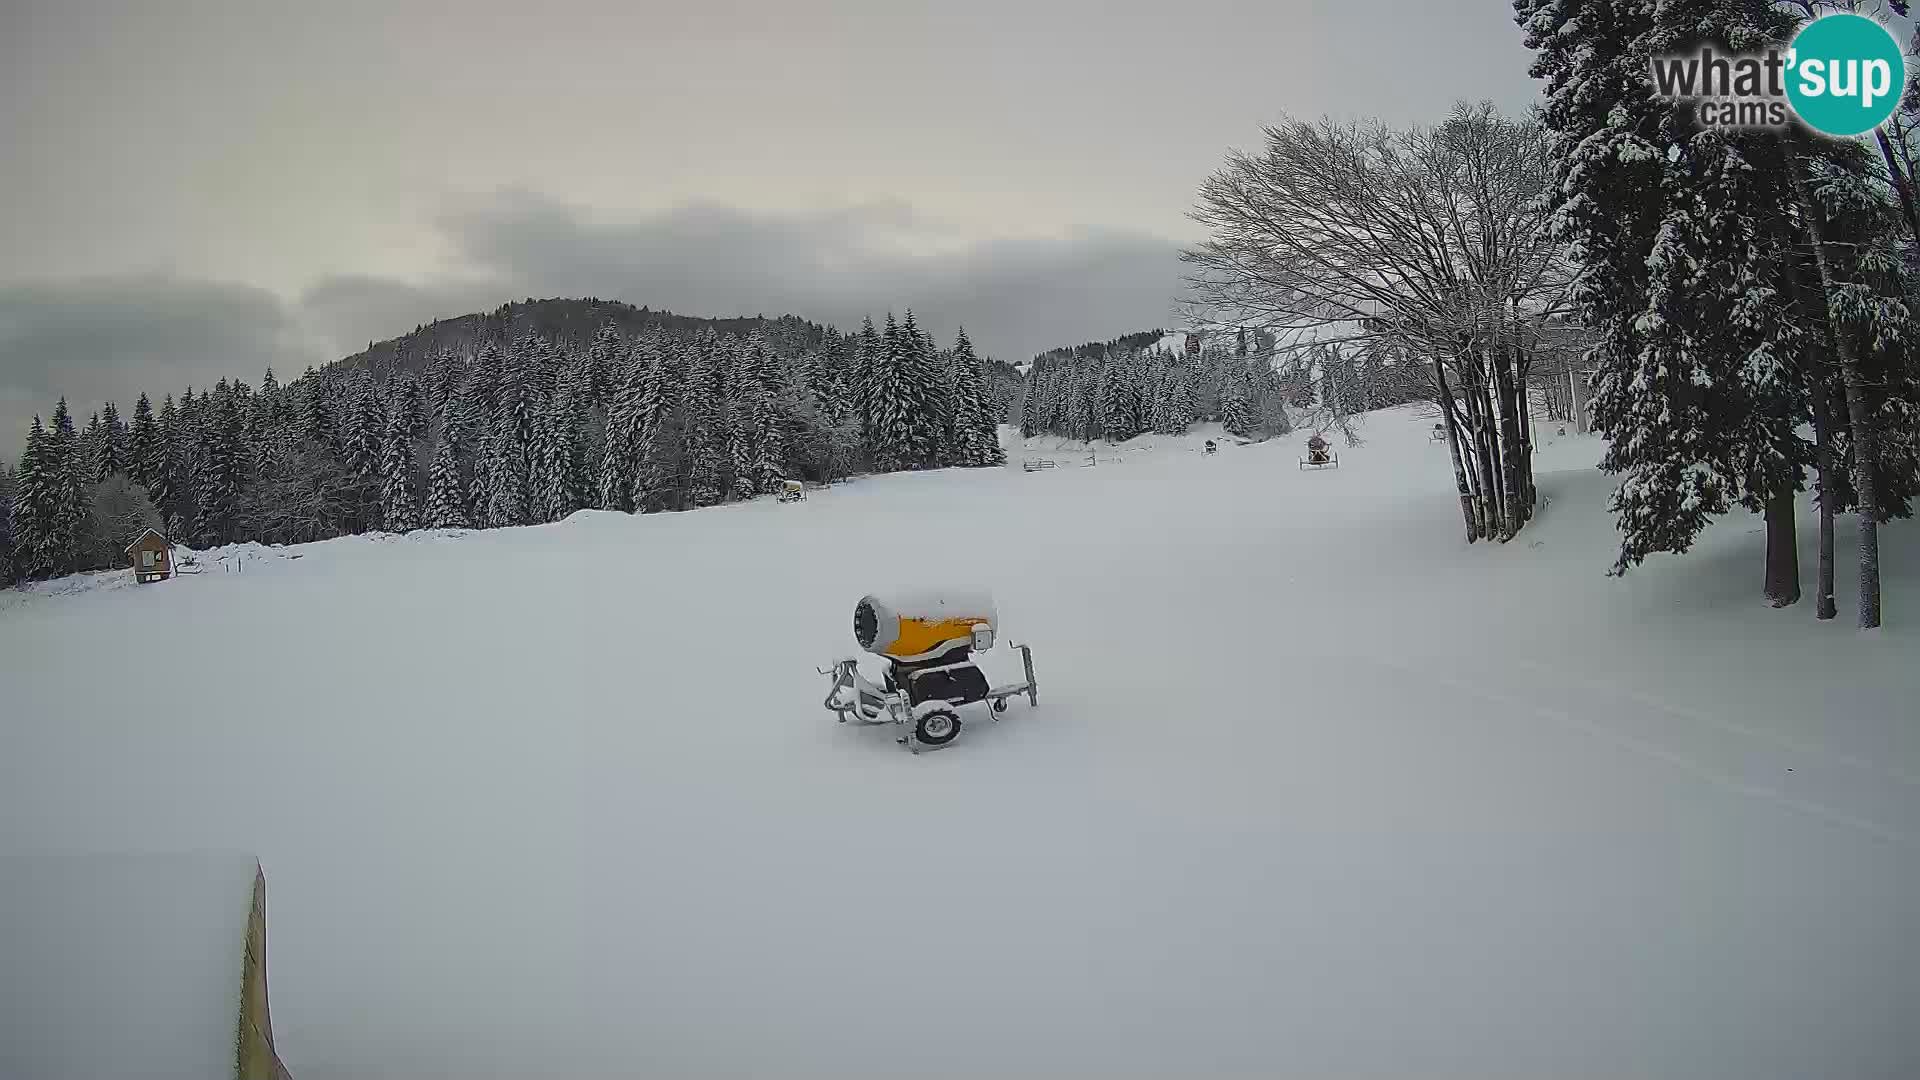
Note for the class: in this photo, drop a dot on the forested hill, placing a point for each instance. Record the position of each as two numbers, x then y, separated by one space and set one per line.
569 323
518 416
1135 342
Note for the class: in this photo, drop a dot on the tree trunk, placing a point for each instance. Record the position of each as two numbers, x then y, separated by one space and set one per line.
1902 184
1453 449
1823 606
1512 491
1868 512
1492 464
1486 504
1523 427
1783 550
1858 420
1528 489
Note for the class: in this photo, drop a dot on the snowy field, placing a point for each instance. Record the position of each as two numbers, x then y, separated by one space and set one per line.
1314 789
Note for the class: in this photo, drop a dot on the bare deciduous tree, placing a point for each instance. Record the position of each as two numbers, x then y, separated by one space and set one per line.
1432 243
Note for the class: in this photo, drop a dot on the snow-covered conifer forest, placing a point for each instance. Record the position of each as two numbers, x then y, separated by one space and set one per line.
513 427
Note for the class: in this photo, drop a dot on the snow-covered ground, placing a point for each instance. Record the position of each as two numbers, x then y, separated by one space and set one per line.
122 965
1314 789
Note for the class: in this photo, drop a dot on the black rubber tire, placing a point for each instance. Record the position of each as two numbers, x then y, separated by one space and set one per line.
942 733
999 704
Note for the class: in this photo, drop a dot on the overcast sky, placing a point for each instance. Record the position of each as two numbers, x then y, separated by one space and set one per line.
197 189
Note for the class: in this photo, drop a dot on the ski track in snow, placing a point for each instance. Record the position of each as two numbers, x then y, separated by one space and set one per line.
1657 752
1807 749
1313 789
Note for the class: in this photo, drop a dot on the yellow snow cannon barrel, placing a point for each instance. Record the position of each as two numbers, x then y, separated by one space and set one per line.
915 626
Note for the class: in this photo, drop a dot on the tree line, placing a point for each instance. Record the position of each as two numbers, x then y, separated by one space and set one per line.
1132 386
517 431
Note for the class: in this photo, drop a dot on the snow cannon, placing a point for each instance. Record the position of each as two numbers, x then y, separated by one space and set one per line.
917 626
928 639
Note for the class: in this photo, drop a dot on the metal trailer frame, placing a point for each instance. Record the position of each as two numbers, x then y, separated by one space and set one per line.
854 697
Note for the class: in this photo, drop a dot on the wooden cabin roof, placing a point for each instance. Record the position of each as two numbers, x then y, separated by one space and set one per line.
142 539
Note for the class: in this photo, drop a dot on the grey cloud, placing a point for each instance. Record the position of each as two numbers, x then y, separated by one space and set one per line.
347 311
109 338
1015 295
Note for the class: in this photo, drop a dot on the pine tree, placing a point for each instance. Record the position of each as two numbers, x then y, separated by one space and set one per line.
840 437
141 439
576 418
164 468
605 357
217 477
1236 412
362 431
869 357
93 451
620 457
408 404
36 516
446 493
756 434
743 393
977 434
443 385
187 441
519 400
963 420
9 493
555 475
71 479
828 367
1116 410
319 421
399 492
264 425
891 401
770 443
921 378
701 415
246 408
117 459
480 396
652 406
1177 405
504 501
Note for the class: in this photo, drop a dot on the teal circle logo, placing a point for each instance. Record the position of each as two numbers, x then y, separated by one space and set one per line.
1845 75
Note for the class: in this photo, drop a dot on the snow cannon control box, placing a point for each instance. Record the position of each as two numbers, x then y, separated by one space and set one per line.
906 627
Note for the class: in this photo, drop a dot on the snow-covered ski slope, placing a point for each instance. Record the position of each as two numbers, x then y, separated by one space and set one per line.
1314 789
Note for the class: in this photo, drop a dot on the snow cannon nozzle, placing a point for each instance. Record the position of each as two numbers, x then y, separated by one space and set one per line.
915 625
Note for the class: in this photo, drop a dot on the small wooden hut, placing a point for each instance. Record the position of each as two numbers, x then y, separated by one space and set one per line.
152 557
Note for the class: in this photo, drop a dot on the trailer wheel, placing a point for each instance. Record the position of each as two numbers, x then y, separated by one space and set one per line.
999 704
937 727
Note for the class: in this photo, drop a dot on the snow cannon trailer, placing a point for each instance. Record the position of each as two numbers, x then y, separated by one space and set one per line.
928 641
1320 455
